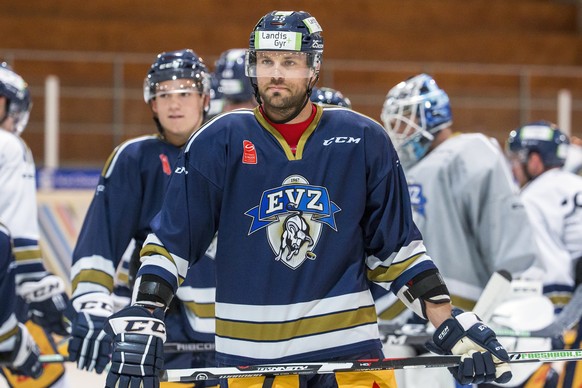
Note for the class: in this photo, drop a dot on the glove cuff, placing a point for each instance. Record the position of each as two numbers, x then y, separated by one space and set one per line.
97 304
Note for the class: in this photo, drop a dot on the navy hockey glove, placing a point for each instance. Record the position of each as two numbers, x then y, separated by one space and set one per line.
20 354
89 345
47 302
483 358
138 347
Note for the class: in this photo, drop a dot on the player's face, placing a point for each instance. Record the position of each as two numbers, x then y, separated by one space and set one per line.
179 108
518 170
8 123
282 78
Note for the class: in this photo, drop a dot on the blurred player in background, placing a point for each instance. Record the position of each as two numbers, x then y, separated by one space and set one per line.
43 293
309 203
234 85
553 198
18 351
464 201
328 96
129 193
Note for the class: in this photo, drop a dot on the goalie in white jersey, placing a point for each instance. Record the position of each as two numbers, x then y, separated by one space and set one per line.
553 199
463 197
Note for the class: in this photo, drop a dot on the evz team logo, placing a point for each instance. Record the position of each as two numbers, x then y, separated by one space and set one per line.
294 215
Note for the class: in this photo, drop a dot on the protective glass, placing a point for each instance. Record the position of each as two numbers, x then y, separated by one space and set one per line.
282 64
160 89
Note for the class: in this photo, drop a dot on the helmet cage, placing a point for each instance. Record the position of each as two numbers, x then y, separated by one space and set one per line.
413 113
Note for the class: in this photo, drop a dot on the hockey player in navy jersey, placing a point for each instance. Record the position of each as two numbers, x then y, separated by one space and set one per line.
18 351
129 193
42 292
234 85
309 203
328 96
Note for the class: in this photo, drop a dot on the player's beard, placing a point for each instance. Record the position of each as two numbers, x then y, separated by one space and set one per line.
283 108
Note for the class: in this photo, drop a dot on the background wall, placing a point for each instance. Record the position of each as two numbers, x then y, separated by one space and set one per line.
502 62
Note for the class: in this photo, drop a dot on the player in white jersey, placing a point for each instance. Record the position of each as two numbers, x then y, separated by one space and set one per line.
553 199
464 200
43 293
309 202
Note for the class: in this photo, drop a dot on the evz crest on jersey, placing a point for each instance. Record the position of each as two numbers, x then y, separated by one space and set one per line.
293 215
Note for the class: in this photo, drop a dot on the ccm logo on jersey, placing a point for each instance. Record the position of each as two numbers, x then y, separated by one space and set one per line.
341 140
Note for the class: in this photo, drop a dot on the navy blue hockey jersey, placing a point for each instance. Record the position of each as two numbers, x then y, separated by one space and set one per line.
129 193
299 234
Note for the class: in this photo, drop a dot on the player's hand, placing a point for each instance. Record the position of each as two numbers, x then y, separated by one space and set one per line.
138 347
47 302
483 358
22 358
89 345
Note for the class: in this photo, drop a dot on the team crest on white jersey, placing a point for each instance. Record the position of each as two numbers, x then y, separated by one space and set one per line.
417 198
294 215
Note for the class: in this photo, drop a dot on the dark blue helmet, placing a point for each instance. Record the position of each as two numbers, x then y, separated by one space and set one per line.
286 31
18 102
229 72
542 137
329 96
173 65
216 98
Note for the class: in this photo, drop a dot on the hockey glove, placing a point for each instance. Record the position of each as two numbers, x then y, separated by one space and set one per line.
47 302
89 345
483 358
20 354
138 347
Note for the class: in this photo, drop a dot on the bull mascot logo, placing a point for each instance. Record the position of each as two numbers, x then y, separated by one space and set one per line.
293 215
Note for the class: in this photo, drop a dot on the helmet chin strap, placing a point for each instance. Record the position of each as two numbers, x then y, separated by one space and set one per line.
310 84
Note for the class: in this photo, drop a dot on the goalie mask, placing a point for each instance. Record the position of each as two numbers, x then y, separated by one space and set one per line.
414 111
542 137
18 103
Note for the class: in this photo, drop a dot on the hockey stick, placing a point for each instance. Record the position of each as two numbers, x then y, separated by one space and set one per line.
419 334
495 291
568 317
311 368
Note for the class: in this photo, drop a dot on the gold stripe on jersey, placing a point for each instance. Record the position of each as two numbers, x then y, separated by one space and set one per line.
390 273
8 334
301 143
93 276
281 331
111 160
393 311
152 249
202 310
462 303
27 254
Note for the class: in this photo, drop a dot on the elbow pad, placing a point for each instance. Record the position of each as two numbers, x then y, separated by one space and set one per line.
426 286
153 291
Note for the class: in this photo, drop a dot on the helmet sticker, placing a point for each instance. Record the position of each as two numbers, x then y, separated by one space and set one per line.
312 25
279 40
